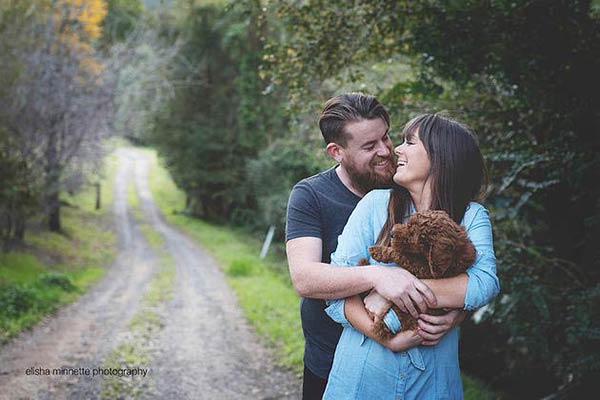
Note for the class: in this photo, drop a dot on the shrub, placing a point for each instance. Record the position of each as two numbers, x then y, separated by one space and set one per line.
16 300
57 279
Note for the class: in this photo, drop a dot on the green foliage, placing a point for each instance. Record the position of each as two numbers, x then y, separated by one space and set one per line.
272 175
22 304
241 267
120 20
519 73
16 300
57 279
53 269
219 119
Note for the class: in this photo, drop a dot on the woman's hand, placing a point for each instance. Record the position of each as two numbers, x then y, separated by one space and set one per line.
403 341
433 327
377 305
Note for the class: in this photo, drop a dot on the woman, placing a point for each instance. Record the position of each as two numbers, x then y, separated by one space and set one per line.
439 167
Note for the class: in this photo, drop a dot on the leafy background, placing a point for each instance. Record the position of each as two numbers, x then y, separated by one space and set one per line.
229 94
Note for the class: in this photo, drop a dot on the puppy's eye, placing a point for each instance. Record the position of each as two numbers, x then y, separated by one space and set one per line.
391 234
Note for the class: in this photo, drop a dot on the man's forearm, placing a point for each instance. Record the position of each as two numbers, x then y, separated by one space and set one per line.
450 292
325 281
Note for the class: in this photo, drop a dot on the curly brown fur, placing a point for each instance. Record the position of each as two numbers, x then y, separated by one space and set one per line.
430 245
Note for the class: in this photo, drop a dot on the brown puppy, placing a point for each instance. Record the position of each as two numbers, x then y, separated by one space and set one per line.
429 245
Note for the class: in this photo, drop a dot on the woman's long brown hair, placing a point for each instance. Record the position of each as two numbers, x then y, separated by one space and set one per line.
458 173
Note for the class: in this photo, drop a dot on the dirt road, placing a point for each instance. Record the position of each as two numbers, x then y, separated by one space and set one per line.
194 345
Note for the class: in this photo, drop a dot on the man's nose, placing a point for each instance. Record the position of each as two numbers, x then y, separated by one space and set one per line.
383 150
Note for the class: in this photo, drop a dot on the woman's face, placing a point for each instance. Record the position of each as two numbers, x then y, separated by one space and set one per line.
413 166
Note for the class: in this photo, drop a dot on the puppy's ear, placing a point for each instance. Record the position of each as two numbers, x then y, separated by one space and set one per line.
466 254
441 256
398 235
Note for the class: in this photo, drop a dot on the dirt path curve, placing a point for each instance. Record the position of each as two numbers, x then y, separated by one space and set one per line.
205 349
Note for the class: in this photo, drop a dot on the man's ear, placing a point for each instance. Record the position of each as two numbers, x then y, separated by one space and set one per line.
335 151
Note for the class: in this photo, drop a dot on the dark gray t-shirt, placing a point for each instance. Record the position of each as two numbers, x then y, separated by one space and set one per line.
319 207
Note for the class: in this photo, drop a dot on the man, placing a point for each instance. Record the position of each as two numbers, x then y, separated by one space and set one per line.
356 131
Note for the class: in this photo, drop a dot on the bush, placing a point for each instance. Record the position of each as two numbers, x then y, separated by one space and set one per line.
57 279
272 176
16 300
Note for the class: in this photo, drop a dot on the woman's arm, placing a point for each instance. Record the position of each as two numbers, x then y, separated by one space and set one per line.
479 284
467 291
431 327
358 317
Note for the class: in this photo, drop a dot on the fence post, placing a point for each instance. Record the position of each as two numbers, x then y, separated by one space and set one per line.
267 243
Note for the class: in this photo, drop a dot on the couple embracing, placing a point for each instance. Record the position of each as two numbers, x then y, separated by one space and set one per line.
332 219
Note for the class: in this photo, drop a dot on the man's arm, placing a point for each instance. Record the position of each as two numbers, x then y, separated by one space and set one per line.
312 278
450 292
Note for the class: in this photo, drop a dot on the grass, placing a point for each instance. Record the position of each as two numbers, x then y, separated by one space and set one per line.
53 269
137 349
263 287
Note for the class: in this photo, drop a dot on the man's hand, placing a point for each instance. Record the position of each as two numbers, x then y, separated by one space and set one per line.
377 305
433 327
403 288
403 341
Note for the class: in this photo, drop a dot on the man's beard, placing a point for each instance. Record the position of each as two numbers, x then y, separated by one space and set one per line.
365 181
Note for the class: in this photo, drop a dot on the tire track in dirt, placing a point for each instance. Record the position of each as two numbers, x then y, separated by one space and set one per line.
81 334
205 350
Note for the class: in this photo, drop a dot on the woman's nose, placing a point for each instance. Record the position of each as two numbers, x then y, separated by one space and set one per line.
398 150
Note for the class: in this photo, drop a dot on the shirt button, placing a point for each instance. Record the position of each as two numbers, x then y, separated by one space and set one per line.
402 375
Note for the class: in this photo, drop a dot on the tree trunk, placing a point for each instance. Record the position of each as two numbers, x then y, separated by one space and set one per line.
53 204
97 196
20 226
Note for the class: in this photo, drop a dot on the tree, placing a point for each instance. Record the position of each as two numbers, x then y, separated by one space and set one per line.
219 118
55 100
520 73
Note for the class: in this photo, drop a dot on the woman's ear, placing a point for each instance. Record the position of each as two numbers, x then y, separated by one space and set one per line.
335 151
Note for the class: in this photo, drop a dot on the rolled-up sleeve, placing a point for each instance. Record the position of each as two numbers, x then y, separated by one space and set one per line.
335 310
353 244
483 284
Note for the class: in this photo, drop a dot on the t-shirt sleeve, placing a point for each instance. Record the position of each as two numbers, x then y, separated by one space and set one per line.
303 213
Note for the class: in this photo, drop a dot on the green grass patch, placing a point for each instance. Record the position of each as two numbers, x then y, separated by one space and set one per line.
241 267
19 268
161 287
53 269
272 308
153 237
126 355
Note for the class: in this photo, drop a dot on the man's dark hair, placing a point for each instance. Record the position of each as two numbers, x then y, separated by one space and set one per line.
351 107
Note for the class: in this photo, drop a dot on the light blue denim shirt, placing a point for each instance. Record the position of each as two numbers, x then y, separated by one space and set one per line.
362 368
